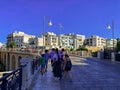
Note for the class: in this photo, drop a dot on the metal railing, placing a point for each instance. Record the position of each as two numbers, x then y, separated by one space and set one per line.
12 81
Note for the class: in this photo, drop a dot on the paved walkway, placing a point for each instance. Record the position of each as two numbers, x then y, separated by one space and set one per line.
88 74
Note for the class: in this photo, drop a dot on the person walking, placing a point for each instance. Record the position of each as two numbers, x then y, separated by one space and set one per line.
46 59
61 53
57 65
67 66
51 56
42 63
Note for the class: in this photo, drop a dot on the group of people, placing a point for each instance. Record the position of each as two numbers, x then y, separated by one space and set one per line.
60 63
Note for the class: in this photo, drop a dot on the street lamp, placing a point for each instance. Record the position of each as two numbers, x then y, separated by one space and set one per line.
44 23
112 27
60 28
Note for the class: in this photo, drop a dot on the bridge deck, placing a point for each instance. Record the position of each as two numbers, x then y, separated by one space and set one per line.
88 74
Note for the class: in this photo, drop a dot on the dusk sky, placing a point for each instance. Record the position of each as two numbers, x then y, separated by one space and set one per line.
86 17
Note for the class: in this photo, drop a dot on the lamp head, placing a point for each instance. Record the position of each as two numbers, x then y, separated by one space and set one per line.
50 23
108 27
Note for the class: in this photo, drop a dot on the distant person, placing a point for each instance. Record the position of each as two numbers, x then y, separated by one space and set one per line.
61 53
67 67
46 59
51 55
57 65
42 63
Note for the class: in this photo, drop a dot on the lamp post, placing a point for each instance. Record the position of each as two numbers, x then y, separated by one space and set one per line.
112 27
43 30
113 35
60 28
44 23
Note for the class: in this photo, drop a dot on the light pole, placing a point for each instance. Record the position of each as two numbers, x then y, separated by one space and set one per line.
112 27
60 28
43 30
113 35
44 23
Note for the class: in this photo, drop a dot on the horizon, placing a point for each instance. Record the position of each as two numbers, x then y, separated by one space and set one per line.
76 16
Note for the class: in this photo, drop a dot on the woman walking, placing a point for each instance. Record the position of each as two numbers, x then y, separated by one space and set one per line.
57 65
67 67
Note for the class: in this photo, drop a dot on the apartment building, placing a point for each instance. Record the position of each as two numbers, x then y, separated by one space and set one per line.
36 42
96 41
23 40
2 45
78 40
71 40
64 41
109 43
51 40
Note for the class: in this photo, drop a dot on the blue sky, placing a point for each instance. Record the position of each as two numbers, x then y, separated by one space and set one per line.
87 17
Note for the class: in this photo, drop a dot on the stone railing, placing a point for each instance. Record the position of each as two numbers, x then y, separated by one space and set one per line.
80 53
114 56
33 51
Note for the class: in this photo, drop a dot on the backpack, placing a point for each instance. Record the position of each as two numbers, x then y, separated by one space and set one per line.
68 64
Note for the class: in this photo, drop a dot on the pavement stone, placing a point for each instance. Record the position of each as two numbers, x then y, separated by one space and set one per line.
88 74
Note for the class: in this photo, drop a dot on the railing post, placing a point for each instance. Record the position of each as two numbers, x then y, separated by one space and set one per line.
20 85
113 56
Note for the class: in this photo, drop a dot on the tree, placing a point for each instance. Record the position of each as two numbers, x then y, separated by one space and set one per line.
82 49
118 45
11 45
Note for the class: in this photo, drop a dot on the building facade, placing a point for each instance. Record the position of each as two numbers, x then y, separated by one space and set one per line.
50 40
23 40
96 41
78 41
109 43
64 41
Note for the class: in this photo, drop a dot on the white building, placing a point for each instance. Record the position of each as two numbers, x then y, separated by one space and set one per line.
64 41
23 40
96 41
78 40
36 42
109 43
51 40
2 45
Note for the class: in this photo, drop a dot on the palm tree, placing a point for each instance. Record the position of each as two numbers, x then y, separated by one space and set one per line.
11 45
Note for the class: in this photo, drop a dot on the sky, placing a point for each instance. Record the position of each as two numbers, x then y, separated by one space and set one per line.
86 17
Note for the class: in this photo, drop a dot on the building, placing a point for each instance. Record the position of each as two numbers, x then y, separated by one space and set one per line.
96 41
71 40
78 41
36 42
23 40
2 45
64 41
109 43
50 40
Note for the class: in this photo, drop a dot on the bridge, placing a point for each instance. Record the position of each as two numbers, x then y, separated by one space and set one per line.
88 74
11 58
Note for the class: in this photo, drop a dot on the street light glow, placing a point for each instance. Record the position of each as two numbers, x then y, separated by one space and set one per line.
108 27
50 23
